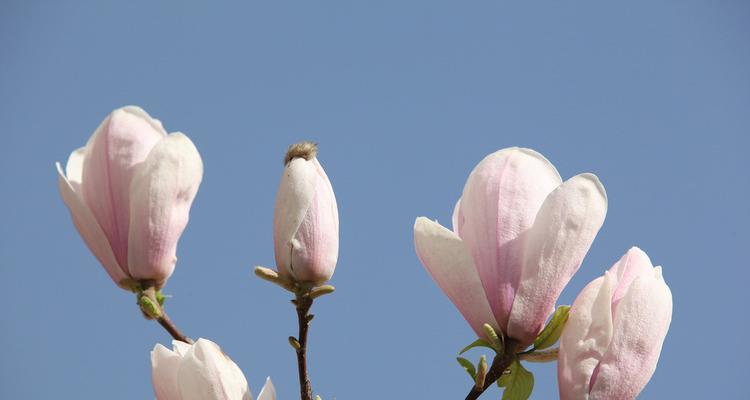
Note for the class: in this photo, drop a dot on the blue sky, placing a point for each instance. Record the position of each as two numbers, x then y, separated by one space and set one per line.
404 99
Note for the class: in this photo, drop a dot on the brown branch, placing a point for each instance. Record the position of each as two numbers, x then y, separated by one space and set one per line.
303 302
170 327
501 362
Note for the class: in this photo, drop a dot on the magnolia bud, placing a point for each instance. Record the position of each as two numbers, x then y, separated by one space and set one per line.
306 220
616 327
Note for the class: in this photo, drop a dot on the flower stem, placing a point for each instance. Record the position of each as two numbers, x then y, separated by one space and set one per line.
303 302
501 362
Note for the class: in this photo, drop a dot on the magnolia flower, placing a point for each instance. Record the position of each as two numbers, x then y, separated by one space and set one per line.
616 327
306 219
129 192
200 371
519 234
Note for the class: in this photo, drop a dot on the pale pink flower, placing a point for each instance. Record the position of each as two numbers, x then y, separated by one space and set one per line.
129 192
519 234
200 371
306 219
611 343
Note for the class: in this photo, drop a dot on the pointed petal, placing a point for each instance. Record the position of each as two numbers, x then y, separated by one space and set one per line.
449 263
499 203
293 199
162 191
164 366
206 373
74 168
634 263
268 392
123 140
88 227
585 339
315 246
458 218
563 231
640 326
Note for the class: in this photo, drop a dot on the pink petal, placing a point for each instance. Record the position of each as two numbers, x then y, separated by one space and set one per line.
499 203
555 246
123 140
162 191
447 260
634 263
316 242
640 326
585 339
84 219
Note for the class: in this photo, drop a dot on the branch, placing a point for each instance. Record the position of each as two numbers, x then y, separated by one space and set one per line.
501 362
167 323
303 302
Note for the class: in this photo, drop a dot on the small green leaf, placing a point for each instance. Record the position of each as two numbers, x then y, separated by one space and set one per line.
496 341
551 333
518 384
468 366
476 343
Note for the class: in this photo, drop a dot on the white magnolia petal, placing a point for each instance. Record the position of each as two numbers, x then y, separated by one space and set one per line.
161 193
640 326
563 231
448 261
164 366
89 228
293 199
268 392
586 336
74 168
206 373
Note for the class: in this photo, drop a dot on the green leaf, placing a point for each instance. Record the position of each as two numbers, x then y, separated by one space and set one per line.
476 343
551 333
518 384
469 367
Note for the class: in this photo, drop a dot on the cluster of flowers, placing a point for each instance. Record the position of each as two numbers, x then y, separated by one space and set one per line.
519 234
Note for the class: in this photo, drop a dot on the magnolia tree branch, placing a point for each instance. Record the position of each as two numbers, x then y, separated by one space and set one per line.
170 327
303 302
501 362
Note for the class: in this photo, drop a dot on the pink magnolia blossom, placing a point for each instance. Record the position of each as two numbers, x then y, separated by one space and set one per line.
129 192
200 371
306 219
616 327
519 234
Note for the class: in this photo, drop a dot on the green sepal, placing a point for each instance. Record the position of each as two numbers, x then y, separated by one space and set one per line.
551 333
476 343
149 308
496 341
517 381
469 367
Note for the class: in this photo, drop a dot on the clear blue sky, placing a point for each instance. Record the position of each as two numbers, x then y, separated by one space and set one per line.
404 99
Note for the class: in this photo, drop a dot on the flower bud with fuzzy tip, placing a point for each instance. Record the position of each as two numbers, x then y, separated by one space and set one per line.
306 219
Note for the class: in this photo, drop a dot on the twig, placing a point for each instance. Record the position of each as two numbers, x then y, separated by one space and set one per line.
499 365
303 302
